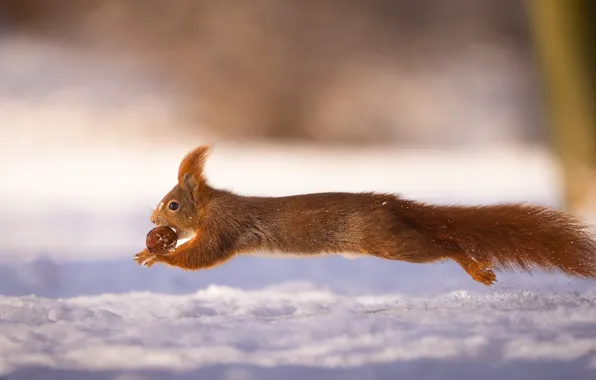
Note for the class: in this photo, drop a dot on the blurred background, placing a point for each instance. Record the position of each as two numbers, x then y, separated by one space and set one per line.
325 72
465 101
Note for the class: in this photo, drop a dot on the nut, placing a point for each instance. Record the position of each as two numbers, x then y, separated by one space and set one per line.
161 240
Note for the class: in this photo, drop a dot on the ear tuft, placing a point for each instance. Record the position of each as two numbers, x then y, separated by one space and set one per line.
193 164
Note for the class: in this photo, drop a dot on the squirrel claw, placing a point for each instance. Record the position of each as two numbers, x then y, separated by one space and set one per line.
150 261
145 258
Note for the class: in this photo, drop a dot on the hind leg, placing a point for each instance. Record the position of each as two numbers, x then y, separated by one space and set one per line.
408 250
412 249
480 271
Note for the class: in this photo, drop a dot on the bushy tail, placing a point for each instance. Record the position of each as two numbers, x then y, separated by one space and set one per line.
512 236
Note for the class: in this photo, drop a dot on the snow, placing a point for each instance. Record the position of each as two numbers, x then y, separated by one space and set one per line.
73 304
296 329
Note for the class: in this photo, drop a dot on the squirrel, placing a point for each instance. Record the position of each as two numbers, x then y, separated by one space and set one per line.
221 224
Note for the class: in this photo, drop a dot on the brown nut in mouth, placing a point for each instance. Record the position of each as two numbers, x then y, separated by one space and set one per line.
161 240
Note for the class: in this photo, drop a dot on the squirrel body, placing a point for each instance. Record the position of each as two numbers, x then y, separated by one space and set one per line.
222 224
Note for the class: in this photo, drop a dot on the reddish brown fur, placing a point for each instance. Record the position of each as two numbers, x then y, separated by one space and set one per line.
194 159
509 236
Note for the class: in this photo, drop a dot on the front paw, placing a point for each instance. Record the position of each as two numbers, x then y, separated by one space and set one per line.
146 258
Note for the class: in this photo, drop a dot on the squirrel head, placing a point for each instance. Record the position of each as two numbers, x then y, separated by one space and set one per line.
179 208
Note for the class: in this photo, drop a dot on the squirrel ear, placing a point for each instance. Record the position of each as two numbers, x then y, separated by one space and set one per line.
189 183
193 164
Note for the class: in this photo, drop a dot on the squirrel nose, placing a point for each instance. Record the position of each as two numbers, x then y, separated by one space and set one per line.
153 219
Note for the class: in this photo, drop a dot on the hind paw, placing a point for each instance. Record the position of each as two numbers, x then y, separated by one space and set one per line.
480 271
484 275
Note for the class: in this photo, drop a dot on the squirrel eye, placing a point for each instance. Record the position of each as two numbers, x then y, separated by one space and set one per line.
174 205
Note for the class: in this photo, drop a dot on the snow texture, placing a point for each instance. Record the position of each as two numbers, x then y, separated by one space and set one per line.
295 331
73 305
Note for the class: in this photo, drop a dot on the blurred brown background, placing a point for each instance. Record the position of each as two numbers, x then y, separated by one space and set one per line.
354 71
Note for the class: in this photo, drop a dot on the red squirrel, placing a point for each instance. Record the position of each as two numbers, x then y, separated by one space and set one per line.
222 224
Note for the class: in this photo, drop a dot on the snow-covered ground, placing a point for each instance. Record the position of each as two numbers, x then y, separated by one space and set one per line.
73 305
296 331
